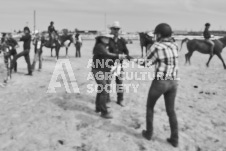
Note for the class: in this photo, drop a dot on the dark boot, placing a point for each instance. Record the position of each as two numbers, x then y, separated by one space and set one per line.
147 135
120 99
106 115
29 74
173 140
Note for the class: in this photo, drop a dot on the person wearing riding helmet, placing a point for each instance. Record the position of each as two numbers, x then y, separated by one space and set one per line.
207 37
164 55
26 38
51 29
101 69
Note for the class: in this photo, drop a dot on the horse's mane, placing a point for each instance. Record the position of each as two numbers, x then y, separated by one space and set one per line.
223 40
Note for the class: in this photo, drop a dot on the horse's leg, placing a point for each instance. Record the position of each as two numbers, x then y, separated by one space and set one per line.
66 51
57 52
207 64
189 57
51 52
142 51
220 57
186 58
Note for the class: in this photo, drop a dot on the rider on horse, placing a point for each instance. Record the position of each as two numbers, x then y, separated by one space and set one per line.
51 31
207 37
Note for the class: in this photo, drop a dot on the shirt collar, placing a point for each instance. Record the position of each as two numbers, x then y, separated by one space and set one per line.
169 39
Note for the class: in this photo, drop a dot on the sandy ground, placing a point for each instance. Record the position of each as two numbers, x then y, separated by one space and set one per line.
33 120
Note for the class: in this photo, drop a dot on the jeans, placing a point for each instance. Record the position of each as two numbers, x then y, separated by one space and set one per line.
13 53
78 48
38 56
119 87
24 53
169 89
102 94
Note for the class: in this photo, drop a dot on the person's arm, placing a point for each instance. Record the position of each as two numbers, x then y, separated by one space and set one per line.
25 38
151 56
125 49
101 50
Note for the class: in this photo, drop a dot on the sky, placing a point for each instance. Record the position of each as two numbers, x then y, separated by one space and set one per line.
133 15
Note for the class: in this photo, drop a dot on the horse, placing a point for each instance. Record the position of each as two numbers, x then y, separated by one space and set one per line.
203 47
58 41
145 41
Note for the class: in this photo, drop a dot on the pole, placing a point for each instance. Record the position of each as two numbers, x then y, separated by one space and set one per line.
34 20
105 22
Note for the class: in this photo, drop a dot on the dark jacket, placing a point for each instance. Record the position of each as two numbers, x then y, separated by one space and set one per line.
27 41
51 29
206 34
102 58
118 47
12 42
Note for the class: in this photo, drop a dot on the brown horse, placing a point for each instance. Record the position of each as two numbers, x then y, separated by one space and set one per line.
58 42
145 41
203 47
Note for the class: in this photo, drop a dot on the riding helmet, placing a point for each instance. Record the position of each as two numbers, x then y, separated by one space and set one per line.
207 24
51 22
27 28
163 29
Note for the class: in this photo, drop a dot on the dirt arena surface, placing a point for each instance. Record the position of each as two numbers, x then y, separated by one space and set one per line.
33 120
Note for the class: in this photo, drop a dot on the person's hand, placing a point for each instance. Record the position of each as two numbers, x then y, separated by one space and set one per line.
122 56
129 57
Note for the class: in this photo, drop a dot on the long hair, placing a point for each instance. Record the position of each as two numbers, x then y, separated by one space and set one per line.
98 41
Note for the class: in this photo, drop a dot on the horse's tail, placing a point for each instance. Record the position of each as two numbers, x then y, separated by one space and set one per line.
184 40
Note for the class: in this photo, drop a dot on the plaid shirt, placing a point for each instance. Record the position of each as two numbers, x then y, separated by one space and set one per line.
164 54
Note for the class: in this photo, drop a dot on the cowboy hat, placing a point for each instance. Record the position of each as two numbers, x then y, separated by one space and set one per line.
150 34
115 24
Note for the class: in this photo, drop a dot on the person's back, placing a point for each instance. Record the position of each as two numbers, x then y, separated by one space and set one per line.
164 54
166 62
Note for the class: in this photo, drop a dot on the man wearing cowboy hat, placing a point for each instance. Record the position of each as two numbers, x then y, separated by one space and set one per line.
118 45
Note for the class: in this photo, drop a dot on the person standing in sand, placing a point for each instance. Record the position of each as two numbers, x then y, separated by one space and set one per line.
102 71
38 44
13 44
26 38
164 54
117 45
78 43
